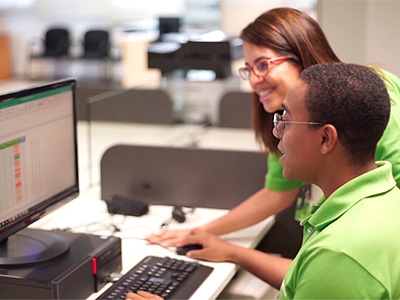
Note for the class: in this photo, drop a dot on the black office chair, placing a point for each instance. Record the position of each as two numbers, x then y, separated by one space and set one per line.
97 46
56 45
169 24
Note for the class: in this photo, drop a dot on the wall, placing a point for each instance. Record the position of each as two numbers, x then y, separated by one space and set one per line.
237 14
27 24
365 32
27 20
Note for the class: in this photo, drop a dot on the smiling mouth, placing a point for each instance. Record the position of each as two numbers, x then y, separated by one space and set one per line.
265 94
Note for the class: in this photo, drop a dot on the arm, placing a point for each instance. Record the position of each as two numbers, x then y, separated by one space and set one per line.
254 209
270 268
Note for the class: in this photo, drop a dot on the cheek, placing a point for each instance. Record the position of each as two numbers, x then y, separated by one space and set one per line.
253 82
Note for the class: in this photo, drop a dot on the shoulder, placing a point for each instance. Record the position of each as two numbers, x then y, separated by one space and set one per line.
326 273
392 83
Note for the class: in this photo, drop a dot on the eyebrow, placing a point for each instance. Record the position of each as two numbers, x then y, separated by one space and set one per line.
262 58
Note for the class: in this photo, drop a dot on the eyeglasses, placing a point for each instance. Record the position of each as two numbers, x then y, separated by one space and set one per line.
260 68
280 124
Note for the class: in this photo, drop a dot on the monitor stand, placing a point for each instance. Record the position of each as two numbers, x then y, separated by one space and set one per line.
30 246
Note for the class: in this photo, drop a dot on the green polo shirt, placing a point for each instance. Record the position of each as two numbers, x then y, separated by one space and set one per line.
274 179
388 147
351 246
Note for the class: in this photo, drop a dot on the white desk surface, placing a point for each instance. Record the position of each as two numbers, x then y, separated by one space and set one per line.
89 215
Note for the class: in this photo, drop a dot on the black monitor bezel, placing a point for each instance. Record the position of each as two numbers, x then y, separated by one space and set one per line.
38 211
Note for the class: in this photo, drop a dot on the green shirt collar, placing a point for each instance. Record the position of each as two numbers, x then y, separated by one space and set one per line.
377 181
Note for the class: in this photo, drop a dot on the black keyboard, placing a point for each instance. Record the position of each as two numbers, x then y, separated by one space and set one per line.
167 277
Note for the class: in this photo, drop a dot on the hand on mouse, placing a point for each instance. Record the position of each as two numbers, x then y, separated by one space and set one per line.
214 248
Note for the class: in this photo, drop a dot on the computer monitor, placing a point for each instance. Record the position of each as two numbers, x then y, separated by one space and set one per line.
38 168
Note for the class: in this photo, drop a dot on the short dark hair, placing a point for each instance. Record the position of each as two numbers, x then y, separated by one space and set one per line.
354 99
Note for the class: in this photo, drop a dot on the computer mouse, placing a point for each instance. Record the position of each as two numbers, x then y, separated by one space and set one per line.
184 249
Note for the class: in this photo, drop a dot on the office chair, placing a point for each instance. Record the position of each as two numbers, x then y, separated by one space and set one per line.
168 25
56 44
235 110
97 46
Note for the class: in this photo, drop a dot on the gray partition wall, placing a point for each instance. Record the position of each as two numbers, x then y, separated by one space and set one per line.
133 105
182 176
83 93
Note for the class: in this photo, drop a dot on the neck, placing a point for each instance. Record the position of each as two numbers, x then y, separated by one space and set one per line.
338 175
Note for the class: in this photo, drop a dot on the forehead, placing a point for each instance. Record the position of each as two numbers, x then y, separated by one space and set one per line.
253 53
295 99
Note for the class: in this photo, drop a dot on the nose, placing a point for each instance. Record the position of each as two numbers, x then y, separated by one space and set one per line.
254 79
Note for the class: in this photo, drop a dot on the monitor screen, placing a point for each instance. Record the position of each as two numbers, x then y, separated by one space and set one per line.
38 153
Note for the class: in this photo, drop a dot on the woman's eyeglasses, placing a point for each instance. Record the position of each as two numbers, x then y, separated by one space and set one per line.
260 68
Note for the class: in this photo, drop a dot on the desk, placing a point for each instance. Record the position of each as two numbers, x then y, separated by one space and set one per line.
87 209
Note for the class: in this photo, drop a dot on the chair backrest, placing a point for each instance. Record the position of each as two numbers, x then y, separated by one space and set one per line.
235 110
169 24
182 176
133 105
96 43
57 42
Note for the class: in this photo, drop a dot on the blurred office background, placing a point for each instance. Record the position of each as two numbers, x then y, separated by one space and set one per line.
359 31
147 40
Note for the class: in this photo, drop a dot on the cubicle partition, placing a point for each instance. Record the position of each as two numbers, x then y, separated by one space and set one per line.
132 106
182 176
83 93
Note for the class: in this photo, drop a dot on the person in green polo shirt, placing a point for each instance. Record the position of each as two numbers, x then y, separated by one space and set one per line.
350 246
278 45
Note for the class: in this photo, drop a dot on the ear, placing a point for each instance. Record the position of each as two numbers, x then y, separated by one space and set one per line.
329 138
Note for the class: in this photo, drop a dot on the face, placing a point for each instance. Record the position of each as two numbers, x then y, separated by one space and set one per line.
299 143
273 87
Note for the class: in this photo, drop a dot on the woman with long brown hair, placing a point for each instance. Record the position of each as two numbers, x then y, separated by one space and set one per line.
278 45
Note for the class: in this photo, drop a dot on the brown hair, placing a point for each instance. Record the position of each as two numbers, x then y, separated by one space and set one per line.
288 32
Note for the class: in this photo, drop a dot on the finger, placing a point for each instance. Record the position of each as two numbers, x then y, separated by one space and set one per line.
147 295
174 242
133 296
198 254
190 239
157 239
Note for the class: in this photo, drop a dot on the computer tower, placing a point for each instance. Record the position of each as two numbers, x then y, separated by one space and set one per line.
81 271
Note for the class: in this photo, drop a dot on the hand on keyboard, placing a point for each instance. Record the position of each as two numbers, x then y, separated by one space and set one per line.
142 295
163 276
